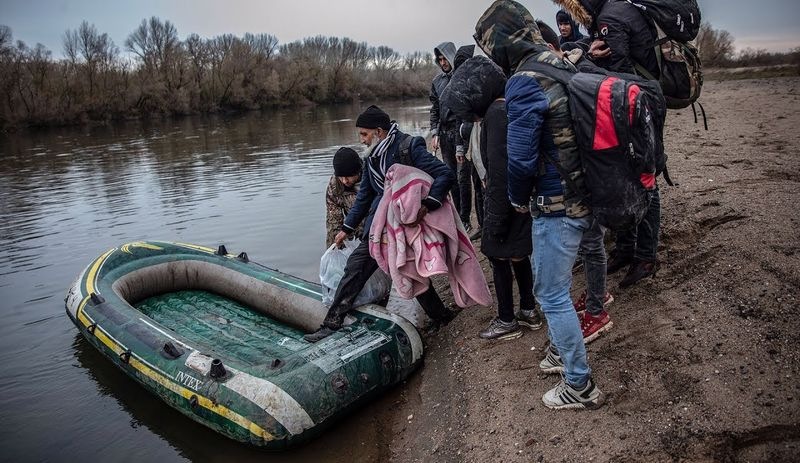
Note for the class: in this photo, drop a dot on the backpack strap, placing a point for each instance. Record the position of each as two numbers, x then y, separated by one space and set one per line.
404 151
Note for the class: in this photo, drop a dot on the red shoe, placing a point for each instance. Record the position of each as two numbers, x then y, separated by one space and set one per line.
580 304
593 326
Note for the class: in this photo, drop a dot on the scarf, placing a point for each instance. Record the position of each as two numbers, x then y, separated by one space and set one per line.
378 159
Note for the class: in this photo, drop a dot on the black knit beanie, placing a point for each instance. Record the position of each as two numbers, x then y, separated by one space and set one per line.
346 163
373 118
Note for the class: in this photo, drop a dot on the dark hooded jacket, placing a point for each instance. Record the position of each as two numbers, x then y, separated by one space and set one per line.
575 35
627 31
441 119
539 120
476 90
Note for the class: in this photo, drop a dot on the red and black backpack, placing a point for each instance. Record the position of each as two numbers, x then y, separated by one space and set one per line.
618 121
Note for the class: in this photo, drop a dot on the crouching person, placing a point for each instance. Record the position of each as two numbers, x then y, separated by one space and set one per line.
342 191
541 144
377 131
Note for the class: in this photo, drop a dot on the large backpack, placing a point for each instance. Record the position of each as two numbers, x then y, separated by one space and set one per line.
677 23
616 130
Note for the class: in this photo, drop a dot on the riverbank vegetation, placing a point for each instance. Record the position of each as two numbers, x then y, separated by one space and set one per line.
156 74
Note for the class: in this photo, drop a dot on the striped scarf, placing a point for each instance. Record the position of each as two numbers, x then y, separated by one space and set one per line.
378 159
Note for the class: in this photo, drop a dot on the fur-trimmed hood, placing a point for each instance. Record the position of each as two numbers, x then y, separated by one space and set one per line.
583 11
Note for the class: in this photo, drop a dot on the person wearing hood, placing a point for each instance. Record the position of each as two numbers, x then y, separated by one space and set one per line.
567 28
377 130
476 93
342 190
541 143
630 37
446 136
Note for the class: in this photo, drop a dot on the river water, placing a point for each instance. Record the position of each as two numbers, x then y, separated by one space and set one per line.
254 182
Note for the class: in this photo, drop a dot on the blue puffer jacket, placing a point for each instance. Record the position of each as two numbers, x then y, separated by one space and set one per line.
370 192
539 119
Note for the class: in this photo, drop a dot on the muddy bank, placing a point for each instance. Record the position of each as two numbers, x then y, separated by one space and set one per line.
701 364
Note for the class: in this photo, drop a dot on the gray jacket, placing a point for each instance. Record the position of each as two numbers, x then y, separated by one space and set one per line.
448 50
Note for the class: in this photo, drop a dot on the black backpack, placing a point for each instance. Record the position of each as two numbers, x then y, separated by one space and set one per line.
617 132
677 23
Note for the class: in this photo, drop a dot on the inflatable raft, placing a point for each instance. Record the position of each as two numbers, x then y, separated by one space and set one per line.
219 338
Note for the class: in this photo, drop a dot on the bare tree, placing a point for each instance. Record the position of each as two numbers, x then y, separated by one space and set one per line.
715 45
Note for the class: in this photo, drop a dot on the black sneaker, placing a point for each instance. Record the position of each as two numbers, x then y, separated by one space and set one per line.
566 396
530 319
322 333
617 262
501 331
638 270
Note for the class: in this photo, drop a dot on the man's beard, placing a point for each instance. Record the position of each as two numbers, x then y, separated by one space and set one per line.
369 148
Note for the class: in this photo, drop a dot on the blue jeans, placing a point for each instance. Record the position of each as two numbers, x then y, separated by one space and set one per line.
593 250
641 242
555 246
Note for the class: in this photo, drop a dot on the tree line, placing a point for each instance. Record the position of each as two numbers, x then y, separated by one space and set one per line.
163 75
717 50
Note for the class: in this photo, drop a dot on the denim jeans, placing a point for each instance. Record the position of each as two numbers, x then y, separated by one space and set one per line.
593 250
555 246
641 242
462 188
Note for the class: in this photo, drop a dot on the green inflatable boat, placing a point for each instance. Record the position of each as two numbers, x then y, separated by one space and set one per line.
219 338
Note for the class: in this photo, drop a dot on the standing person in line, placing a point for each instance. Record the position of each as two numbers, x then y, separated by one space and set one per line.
540 133
445 130
462 151
476 93
342 190
377 131
591 304
622 41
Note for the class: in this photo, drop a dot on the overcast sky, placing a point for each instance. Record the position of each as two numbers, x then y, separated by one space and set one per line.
405 25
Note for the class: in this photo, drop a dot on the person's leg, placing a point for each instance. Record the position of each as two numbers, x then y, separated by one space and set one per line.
555 245
594 261
476 182
360 266
524 276
433 306
449 158
465 192
504 288
644 257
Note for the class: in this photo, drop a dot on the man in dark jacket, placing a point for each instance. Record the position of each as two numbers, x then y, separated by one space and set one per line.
540 135
375 128
446 135
630 37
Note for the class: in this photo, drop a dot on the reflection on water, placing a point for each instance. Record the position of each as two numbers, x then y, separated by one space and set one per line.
253 182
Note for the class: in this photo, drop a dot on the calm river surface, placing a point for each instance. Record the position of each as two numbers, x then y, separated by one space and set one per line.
253 182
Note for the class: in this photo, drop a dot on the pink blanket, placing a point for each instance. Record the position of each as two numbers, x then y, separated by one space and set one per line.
439 244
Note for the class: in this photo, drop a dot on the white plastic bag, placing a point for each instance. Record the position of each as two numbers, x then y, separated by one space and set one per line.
331 271
408 309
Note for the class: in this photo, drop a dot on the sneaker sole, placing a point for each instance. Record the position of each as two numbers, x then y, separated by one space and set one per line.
505 337
530 326
580 405
551 370
598 333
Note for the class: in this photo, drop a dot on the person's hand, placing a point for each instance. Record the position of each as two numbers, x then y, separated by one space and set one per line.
338 240
522 209
599 49
420 215
435 143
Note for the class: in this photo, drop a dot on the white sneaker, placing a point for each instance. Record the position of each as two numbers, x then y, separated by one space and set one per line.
565 396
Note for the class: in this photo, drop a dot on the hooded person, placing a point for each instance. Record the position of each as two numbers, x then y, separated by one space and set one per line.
630 36
476 93
446 135
342 190
622 28
540 137
376 129
567 28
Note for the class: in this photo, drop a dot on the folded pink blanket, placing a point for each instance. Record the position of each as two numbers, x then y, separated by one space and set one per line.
439 244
